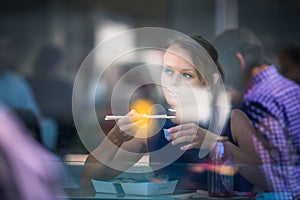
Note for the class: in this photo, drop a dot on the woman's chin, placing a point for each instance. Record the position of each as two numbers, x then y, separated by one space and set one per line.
173 103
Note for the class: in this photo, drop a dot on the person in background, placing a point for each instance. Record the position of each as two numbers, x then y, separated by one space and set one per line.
289 62
54 94
27 170
184 62
272 102
15 91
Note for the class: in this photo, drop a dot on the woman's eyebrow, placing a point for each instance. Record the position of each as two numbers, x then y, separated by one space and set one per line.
167 66
189 70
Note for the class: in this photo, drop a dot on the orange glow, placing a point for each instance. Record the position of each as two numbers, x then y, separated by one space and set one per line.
220 169
142 106
145 126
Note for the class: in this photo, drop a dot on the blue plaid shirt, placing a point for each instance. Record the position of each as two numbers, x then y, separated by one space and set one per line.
273 105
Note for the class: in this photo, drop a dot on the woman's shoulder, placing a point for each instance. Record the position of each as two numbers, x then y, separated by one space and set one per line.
238 116
240 121
236 112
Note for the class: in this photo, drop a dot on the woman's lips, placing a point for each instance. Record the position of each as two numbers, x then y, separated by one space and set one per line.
171 98
170 93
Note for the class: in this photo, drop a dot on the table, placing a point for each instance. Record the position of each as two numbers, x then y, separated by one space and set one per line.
74 165
77 194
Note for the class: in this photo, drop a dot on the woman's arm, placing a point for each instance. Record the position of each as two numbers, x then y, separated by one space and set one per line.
245 154
243 132
113 156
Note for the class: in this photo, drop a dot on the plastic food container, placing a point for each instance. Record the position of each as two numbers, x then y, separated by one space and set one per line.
144 188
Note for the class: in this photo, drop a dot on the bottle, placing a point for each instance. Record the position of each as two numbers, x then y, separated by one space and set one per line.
220 174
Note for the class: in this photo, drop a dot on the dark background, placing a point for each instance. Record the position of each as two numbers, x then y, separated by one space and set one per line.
71 24
75 25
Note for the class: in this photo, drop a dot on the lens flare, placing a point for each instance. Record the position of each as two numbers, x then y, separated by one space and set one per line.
143 107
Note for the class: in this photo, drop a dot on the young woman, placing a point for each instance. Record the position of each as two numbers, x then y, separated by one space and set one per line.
186 78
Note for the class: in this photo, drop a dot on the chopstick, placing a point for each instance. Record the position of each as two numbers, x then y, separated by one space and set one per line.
115 117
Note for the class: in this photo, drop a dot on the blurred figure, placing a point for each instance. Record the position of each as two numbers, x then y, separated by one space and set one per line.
272 103
15 92
289 62
27 170
233 73
53 94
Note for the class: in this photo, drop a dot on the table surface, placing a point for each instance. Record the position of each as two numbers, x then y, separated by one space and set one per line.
75 166
77 194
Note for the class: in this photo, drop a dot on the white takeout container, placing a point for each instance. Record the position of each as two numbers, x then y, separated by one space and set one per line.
144 188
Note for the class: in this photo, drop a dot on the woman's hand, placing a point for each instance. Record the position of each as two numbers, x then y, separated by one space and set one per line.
192 134
125 128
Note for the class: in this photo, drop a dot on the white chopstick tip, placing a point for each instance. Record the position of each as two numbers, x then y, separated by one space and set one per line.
171 110
116 117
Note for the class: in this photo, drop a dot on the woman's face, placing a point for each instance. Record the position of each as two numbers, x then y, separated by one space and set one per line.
180 80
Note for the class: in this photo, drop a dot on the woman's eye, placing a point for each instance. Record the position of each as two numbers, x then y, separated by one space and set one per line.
186 75
168 71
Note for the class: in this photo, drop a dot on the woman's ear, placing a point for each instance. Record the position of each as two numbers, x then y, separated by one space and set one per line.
242 60
216 78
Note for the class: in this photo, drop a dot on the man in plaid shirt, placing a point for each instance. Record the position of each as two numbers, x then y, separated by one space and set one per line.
272 102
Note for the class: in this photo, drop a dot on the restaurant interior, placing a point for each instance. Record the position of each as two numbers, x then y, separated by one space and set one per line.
52 41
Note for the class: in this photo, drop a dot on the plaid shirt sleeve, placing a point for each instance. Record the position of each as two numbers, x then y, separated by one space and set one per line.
272 145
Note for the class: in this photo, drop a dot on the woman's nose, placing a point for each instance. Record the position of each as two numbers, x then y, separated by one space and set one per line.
175 80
